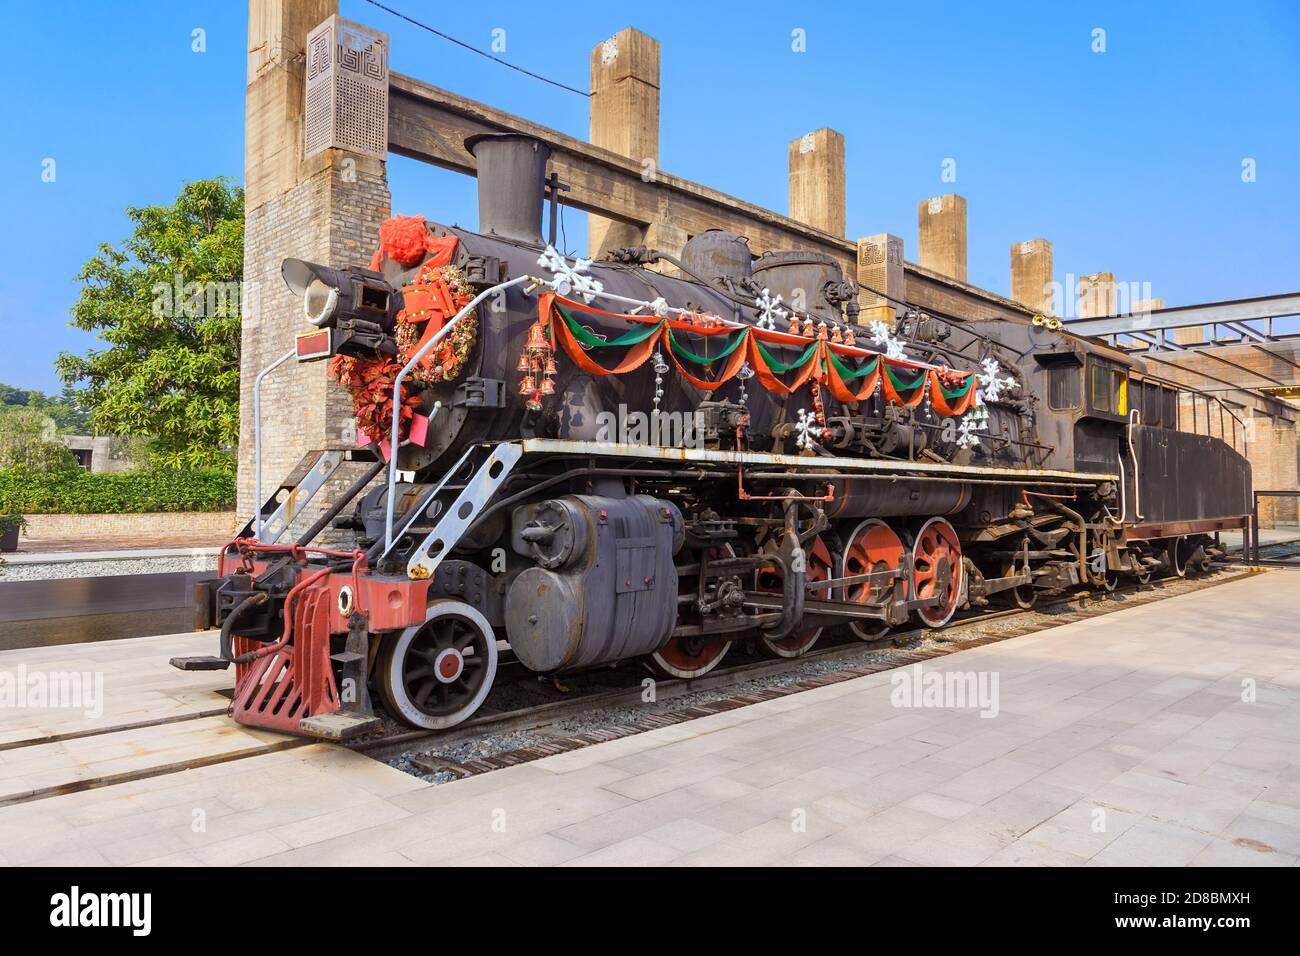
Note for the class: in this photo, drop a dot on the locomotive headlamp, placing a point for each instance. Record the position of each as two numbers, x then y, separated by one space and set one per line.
358 303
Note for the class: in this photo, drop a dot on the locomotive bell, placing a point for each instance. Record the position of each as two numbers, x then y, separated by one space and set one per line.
358 304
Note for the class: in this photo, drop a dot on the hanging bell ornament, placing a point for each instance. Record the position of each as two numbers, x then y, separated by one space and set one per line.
535 338
525 364
527 385
550 365
744 373
548 387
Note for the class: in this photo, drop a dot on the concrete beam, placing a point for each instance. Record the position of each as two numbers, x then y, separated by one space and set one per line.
430 124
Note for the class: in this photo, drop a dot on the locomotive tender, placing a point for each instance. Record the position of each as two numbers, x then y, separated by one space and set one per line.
822 473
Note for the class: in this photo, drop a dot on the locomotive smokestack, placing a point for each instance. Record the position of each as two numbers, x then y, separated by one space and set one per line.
511 184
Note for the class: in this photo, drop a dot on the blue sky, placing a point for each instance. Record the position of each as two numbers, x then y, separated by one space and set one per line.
1128 161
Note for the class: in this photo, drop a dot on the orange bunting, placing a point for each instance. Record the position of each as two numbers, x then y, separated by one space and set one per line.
819 368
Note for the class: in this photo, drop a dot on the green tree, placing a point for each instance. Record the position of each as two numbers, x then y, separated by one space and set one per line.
167 307
64 410
27 441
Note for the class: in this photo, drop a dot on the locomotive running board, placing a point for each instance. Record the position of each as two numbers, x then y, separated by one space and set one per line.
560 446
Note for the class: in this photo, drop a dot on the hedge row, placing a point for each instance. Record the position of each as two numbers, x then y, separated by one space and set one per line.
82 492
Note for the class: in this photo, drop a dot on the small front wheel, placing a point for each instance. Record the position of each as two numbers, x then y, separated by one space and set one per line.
436 674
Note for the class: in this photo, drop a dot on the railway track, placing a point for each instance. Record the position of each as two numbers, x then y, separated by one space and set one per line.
899 649
858 659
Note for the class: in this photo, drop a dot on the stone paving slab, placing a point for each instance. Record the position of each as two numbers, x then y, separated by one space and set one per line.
127 681
1163 735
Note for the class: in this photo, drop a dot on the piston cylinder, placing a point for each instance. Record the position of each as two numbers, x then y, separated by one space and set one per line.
604 587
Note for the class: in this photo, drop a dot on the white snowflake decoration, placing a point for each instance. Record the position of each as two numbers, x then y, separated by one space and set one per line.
570 278
993 385
966 437
769 310
881 338
804 430
660 307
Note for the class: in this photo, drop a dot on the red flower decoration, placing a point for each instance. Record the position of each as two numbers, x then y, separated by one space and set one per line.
404 238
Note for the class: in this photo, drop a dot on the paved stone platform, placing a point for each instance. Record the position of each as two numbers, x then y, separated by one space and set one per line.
1163 735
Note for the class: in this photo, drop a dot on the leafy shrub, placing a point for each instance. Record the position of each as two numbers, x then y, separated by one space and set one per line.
82 492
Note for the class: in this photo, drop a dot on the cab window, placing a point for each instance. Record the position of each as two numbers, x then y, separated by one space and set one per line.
1099 388
1152 402
1063 387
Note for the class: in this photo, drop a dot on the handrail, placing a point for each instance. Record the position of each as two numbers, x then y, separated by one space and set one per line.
397 392
1134 418
1197 393
257 438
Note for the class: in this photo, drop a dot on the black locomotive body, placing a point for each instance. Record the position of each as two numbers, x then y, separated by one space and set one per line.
531 515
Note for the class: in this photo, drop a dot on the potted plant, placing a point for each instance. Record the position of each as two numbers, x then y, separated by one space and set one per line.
10 525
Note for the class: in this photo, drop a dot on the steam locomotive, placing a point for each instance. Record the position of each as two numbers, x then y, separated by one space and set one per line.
516 488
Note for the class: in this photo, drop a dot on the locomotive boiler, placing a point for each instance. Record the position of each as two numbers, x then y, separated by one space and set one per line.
646 460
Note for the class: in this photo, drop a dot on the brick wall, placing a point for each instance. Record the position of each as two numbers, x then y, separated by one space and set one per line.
331 217
91 527
1273 451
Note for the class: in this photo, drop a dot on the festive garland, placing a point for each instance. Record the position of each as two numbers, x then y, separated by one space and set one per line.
822 361
437 293
370 383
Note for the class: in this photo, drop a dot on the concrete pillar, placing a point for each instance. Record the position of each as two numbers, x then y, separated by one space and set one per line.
941 228
880 268
817 180
1031 275
1096 295
325 209
624 119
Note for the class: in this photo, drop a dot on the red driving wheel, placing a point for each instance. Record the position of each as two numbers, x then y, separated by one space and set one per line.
935 544
873 546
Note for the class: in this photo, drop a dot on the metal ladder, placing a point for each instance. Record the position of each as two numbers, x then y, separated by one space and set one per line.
274 517
455 502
